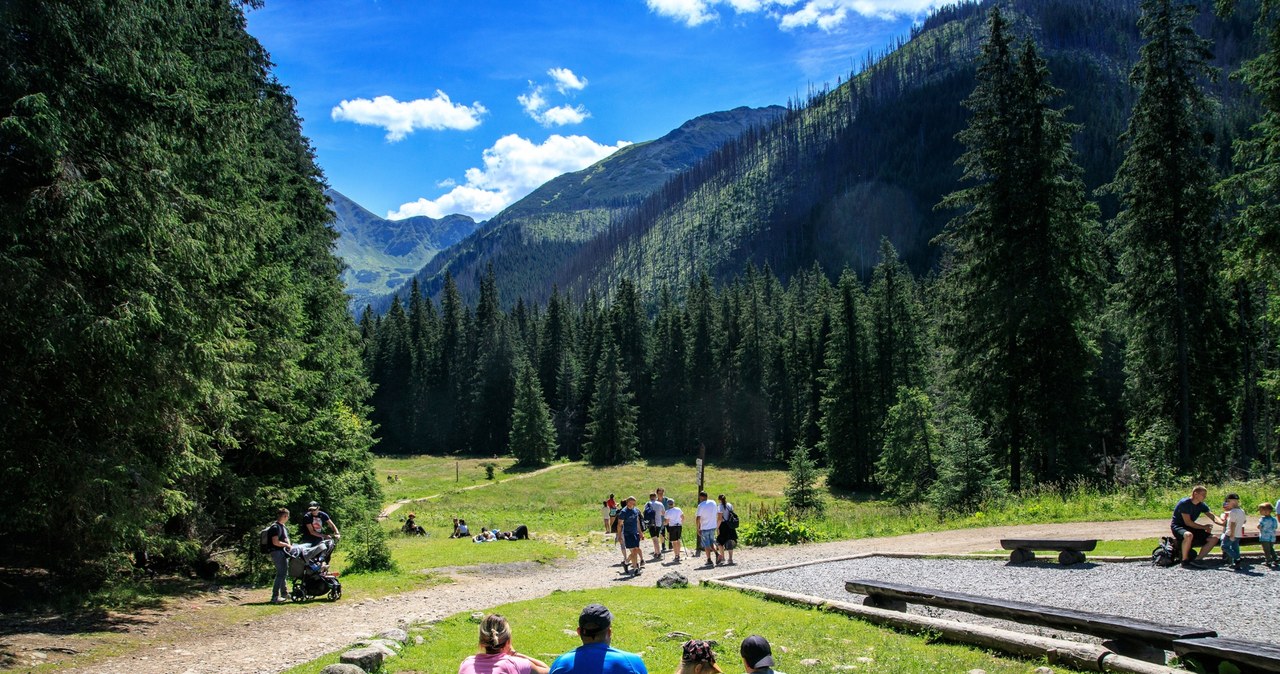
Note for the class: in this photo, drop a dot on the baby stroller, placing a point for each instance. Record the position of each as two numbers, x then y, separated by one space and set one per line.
312 580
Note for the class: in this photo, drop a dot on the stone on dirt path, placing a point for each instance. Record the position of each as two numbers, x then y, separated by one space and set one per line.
368 659
342 668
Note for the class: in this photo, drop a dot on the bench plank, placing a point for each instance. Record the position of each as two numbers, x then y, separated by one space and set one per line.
1081 545
1264 657
1086 622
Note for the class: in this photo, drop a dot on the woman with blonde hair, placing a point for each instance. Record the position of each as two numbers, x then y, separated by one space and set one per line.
496 655
697 658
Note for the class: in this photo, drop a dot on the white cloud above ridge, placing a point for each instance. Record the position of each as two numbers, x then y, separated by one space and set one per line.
535 102
513 167
401 118
826 15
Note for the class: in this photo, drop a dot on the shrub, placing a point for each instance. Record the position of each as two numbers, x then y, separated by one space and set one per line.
770 526
368 549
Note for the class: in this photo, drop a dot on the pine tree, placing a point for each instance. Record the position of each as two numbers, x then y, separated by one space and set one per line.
802 494
908 462
844 408
897 332
533 438
966 475
1024 272
1165 238
611 429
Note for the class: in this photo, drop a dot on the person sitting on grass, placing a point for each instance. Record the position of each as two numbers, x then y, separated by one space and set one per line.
1188 531
757 656
596 655
461 530
411 527
496 655
697 658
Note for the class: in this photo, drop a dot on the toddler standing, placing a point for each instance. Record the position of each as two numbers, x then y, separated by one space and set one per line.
1235 519
1267 533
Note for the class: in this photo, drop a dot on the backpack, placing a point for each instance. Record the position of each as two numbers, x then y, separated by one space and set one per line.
731 518
264 540
1163 555
648 515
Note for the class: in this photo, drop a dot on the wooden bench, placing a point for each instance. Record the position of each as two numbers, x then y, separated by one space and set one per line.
1069 551
1247 656
1127 636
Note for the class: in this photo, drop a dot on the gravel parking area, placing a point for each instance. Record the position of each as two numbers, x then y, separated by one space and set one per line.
1241 604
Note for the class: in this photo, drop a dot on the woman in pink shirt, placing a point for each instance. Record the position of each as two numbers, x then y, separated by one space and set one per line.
496 655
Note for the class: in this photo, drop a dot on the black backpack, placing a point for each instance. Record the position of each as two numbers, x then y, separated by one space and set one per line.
649 513
1164 555
731 518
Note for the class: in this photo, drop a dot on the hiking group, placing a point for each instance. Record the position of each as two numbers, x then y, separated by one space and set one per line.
715 524
316 548
597 655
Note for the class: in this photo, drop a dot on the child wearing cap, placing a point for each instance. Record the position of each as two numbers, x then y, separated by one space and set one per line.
697 658
1267 533
1235 519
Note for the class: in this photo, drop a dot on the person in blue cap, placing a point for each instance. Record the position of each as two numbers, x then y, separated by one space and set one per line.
595 655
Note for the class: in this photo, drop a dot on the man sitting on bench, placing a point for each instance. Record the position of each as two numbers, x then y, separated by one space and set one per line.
1187 531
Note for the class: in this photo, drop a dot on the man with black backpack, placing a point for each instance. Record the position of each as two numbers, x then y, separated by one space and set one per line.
277 542
727 535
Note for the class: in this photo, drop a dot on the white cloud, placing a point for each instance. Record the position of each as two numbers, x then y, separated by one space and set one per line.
691 12
533 102
401 118
826 15
446 183
562 115
513 168
566 80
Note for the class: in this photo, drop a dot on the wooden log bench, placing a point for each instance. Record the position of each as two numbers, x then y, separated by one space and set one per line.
1070 551
1127 636
1248 656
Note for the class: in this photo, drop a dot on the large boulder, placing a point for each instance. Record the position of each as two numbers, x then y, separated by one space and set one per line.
673 579
388 647
395 634
342 668
369 659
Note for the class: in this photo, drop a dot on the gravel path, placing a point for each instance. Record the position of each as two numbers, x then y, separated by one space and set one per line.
1237 604
166 647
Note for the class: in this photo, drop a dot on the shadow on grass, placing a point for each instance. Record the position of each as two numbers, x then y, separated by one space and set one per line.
36 601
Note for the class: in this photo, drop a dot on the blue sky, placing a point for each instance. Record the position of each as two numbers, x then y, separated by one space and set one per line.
425 107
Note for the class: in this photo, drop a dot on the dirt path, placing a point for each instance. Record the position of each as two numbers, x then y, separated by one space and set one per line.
237 647
386 512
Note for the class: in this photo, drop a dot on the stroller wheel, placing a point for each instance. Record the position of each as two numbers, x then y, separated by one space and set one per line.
335 593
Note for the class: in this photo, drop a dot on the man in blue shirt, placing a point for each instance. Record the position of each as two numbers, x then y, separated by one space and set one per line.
632 534
1188 531
595 655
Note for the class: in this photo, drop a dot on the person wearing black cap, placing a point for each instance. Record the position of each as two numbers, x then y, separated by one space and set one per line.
757 656
595 655
313 524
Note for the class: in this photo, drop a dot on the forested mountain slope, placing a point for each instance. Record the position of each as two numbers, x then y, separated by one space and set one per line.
381 254
874 155
529 241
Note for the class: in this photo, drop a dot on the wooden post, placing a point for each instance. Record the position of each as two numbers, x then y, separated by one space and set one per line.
702 465
457 471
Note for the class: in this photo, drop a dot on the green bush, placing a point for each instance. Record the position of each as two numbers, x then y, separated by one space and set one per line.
771 526
367 549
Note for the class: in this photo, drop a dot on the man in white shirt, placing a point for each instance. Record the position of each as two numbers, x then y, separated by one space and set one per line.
655 516
675 525
707 520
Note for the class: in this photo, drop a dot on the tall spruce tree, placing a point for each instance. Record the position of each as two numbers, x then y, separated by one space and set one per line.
1165 238
1025 273
907 466
611 429
533 438
844 408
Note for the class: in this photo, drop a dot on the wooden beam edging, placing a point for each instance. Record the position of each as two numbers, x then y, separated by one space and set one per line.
796 565
1075 654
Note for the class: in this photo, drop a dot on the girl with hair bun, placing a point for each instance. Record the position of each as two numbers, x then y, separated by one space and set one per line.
496 655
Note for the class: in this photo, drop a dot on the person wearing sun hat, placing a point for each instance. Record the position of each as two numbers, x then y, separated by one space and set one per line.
697 658
757 655
595 655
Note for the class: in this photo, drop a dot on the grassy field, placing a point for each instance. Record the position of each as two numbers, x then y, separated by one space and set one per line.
643 617
422 476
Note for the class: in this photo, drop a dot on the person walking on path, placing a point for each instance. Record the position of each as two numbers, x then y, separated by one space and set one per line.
707 520
281 551
496 654
654 518
675 526
596 655
727 532
757 656
605 512
1188 531
632 534
666 503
